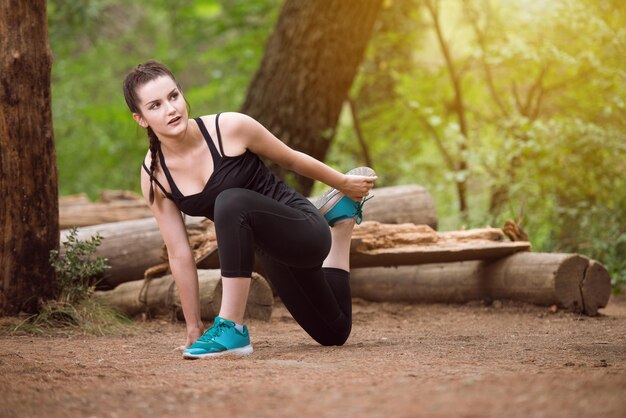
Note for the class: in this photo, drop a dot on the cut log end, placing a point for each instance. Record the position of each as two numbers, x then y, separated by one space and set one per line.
567 282
595 288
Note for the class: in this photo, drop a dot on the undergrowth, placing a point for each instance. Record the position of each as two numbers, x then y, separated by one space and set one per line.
75 311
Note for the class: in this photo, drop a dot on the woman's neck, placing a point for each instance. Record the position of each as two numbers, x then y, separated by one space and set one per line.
183 143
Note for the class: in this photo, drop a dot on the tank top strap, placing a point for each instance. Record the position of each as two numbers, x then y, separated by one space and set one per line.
207 137
169 177
219 135
158 183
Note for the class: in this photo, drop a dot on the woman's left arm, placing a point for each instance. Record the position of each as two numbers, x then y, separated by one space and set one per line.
259 140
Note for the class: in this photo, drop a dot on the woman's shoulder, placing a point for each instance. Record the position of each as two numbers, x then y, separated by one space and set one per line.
232 124
228 118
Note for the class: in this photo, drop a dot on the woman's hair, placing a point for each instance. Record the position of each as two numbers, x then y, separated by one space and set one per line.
139 76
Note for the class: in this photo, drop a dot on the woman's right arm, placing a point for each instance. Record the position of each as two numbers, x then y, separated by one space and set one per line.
182 264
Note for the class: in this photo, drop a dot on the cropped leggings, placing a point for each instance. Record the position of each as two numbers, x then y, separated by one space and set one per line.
291 243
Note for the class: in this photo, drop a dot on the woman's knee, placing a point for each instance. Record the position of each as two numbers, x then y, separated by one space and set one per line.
231 203
337 337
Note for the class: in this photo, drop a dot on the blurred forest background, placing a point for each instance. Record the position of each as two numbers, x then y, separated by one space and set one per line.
497 107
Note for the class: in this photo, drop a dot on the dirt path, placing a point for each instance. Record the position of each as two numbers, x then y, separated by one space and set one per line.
400 361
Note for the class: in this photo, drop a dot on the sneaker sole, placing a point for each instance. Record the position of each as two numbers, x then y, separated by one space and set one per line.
236 352
328 200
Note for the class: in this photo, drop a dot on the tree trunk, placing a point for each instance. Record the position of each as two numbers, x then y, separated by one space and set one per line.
310 61
28 175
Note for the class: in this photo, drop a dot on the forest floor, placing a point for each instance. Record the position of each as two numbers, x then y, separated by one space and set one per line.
507 359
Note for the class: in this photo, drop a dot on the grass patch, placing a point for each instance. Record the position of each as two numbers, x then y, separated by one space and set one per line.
62 318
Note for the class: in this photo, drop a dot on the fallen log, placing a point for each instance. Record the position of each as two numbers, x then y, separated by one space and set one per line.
596 288
411 203
112 206
160 296
570 281
375 244
541 278
135 247
131 247
456 282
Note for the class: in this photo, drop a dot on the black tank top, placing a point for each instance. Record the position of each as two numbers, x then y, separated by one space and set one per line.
245 171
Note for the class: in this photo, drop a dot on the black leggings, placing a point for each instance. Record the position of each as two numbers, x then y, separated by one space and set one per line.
292 243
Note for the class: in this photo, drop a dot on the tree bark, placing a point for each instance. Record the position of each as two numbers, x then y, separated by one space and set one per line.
28 174
310 61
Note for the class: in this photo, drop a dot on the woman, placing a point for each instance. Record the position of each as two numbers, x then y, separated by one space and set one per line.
210 166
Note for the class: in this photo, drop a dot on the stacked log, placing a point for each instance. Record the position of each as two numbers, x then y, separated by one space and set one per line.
412 203
111 206
399 258
570 281
135 247
160 296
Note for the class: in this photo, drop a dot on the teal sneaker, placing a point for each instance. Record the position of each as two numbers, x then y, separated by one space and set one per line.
335 206
219 340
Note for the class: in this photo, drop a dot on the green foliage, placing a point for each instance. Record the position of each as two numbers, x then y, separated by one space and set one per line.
76 267
545 110
75 310
212 46
543 84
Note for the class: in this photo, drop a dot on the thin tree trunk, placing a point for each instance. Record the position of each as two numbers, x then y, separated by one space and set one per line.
310 61
29 211
459 108
359 134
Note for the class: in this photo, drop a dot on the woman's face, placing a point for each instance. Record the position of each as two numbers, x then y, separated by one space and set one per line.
162 107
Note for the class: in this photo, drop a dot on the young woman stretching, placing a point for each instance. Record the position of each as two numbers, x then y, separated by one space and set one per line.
210 166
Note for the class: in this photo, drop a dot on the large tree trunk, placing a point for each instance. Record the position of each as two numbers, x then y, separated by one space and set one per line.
310 61
28 176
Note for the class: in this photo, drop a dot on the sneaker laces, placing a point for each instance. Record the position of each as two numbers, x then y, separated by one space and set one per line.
358 215
212 332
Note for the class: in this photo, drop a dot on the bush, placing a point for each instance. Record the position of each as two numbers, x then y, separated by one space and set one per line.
76 268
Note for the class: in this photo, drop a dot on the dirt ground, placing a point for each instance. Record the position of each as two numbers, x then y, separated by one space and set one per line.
401 360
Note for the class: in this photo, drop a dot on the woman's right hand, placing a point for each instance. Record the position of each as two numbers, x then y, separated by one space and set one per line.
193 333
357 187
